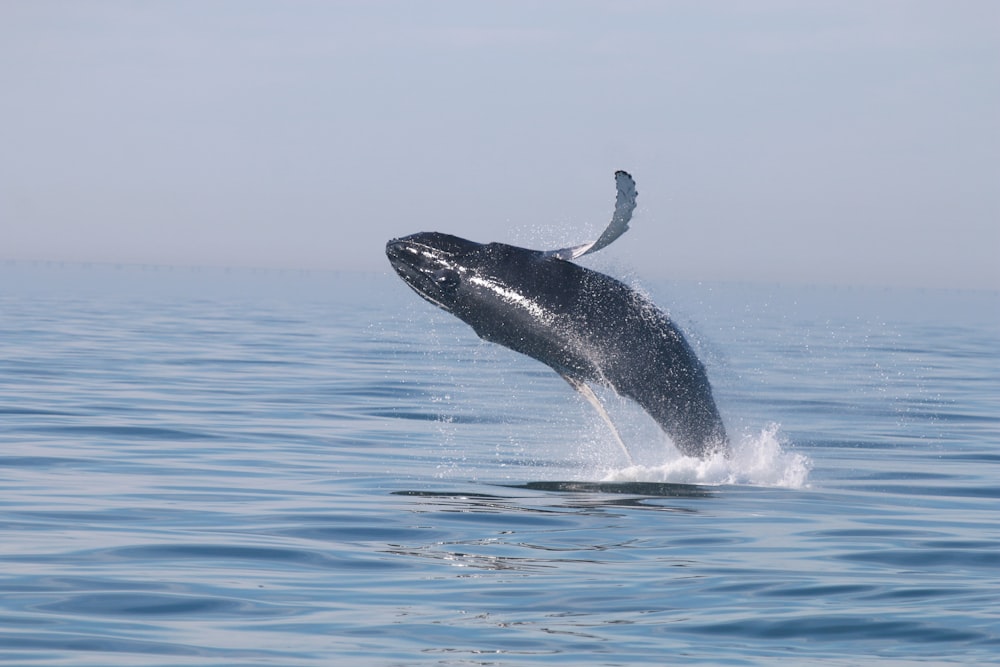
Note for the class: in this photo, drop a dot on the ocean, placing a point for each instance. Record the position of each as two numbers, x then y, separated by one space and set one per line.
237 467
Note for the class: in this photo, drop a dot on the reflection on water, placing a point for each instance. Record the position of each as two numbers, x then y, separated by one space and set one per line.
642 489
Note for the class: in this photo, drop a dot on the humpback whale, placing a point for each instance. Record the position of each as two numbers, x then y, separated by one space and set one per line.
585 325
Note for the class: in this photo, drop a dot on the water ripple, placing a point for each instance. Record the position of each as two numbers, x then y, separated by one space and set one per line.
314 470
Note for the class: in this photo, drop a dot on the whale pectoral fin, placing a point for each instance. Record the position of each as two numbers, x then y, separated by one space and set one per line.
624 205
592 398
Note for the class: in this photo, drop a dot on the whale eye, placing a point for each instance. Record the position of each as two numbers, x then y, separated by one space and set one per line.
446 278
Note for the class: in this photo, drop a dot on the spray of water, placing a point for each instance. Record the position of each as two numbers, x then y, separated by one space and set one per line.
758 459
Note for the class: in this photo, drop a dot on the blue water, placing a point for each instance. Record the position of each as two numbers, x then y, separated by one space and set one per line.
281 468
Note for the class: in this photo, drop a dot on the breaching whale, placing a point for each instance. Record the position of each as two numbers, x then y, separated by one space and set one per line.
585 325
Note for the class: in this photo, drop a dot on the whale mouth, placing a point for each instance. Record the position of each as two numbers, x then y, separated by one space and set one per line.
417 263
401 253
412 258
405 258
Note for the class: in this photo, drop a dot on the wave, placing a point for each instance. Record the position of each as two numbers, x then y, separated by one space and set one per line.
755 460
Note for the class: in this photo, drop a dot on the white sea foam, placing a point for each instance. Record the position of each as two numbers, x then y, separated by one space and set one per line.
756 460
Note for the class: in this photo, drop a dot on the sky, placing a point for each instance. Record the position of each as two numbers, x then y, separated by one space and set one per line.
771 141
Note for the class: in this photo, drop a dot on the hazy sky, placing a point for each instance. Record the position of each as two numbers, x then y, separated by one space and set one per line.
834 142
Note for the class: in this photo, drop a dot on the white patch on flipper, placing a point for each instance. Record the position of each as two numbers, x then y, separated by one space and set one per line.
624 206
592 398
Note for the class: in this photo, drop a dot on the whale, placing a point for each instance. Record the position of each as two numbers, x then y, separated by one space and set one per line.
590 328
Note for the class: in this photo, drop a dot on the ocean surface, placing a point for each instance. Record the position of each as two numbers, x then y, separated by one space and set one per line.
235 467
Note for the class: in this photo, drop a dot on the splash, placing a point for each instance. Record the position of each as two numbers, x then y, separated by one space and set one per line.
755 460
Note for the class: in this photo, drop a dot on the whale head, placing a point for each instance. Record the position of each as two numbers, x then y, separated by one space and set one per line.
434 265
462 277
